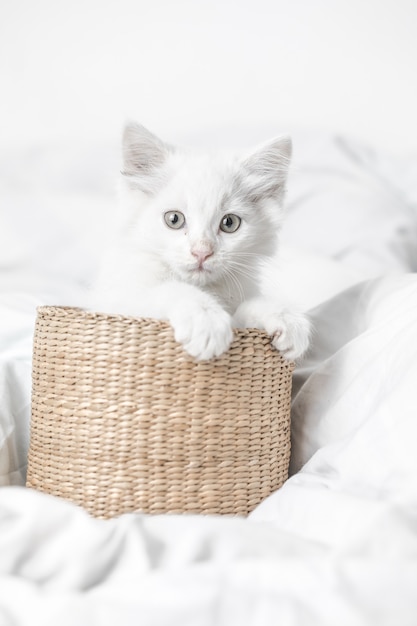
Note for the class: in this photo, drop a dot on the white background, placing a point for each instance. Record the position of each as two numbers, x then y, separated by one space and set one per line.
78 69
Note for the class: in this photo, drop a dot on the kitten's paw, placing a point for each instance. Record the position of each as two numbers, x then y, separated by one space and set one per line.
205 331
290 334
289 331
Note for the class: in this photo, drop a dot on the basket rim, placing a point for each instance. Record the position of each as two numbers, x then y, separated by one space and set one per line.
65 310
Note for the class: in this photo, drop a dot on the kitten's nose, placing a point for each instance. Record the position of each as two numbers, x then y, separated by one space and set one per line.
202 253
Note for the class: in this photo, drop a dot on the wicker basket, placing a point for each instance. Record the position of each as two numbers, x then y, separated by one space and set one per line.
124 420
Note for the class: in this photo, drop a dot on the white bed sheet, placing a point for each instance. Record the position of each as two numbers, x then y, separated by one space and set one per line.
338 543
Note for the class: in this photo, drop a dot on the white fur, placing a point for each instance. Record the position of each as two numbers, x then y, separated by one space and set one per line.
152 270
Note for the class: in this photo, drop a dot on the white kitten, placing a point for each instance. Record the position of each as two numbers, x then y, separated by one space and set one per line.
190 247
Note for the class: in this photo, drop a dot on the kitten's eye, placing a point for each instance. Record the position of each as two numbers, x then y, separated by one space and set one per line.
230 223
174 219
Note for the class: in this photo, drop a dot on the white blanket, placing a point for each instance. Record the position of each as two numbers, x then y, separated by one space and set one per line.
338 543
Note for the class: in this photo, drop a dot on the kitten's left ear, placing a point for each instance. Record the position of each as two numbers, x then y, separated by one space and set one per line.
266 169
144 155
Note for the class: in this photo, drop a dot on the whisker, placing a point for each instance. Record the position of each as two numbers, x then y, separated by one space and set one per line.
242 270
236 282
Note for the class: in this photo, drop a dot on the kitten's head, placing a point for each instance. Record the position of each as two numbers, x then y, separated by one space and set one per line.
205 217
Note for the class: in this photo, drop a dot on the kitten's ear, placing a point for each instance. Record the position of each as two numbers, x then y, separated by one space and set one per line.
266 169
144 154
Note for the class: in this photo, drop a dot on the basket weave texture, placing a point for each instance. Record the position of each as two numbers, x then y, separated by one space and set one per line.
124 420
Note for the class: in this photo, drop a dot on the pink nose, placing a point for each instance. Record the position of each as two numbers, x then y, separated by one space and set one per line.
202 254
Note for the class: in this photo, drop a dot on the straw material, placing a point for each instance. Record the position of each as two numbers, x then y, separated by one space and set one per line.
124 420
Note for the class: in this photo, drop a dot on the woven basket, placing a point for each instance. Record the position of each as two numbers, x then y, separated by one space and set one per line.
124 420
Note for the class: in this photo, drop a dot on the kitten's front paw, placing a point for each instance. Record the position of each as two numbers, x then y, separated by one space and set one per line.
289 331
290 334
205 331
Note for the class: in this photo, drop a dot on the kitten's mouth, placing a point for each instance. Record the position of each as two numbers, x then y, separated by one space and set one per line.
200 273
199 268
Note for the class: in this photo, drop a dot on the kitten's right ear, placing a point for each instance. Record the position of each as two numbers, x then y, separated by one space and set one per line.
266 169
144 154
